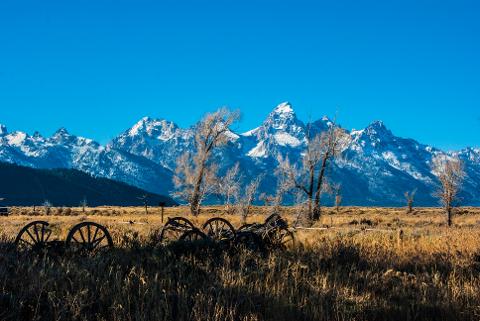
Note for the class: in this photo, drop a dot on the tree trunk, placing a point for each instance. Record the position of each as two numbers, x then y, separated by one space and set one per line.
195 206
310 192
310 207
449 215
195 201
318 192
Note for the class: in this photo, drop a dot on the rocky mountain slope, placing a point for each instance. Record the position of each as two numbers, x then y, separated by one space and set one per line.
376 168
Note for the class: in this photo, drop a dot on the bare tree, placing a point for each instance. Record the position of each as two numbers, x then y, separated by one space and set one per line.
244 203
144 199
330 146
410 198
337 190
310 176
228 188
84 204
266 199
450 173
195 175
47 206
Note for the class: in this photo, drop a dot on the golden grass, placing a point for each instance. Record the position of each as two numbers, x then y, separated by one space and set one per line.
357 264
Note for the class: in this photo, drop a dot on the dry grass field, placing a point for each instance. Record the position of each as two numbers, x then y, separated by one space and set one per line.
355 264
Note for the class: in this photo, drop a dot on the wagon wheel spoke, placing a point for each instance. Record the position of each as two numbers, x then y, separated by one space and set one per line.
213 229
31 236
222 230
87 237
81 235
43 233
95 243
25 241
88 234
35 230
95 234
47 237
75 239
101 246
210 229
82 242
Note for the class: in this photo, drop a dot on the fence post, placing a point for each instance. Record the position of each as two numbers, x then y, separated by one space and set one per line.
400 238
162 205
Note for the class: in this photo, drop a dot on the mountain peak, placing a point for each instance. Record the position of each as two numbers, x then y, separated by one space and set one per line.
282 117
378 127
280 129
36 134
62 132
283 108
378 124
151 127
139 126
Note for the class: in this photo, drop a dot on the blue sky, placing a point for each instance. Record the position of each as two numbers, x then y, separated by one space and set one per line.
96 67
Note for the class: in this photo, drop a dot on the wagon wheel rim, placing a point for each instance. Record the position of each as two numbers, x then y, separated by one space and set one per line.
219 229
180 224
193 236
174 229
33 236
89 237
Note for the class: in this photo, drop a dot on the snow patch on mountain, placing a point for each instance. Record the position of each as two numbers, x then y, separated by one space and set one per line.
16 138
376 166
258 151
251 132
285 139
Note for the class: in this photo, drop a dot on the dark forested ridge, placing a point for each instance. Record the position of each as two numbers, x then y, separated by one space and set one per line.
67 187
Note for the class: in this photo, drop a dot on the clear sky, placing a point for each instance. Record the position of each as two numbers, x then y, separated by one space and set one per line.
96 67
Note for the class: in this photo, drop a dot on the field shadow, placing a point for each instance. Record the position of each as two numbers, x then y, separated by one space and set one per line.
183 282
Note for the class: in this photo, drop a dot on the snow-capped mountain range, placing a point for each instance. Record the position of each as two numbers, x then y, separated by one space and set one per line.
376 168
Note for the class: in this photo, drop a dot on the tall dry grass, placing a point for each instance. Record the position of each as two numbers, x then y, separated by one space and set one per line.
360 267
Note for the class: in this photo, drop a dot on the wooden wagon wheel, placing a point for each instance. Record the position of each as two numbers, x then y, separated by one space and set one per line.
194 235
33 236
174 229
219 229
274 221
89 237
282 239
